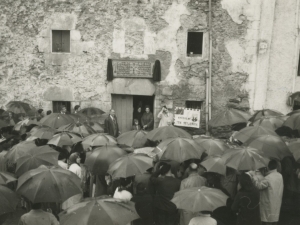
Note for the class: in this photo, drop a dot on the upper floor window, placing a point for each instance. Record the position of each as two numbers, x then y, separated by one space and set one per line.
193 104
57 106
194 43
60 41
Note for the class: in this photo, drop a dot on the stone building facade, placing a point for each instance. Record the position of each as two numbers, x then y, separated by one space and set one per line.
254 52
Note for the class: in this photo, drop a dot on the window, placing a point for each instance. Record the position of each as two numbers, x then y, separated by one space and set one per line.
58 104
194 43
60 41
193 104
298 74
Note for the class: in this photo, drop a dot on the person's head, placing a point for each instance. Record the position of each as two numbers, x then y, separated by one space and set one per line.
272 165
36 206
165 109
74 158
63 109
136 122
10 114
165 169
77 108
41 111
112 112
193 168
49 112
147 109
246 182
139 109
63 156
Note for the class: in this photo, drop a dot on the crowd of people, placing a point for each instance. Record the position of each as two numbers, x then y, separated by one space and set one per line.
254 197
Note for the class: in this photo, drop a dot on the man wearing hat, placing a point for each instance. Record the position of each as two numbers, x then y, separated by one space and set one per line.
166 118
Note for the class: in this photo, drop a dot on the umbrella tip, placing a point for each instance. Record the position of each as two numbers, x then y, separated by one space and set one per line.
199 190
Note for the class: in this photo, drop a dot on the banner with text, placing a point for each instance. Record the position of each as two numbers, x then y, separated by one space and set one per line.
187 117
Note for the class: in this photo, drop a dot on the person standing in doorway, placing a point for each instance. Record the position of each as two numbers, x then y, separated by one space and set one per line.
147 119
77 109
63 110
138 114
111 124
166 118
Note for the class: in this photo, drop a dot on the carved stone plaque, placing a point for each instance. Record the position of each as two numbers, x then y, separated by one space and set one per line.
132 68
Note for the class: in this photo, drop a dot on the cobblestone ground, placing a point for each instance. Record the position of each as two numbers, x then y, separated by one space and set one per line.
285 218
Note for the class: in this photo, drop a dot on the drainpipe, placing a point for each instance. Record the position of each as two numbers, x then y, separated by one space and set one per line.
206 102
297 46
210 61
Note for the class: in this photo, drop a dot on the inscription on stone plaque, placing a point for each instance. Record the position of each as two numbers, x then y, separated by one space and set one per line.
133 68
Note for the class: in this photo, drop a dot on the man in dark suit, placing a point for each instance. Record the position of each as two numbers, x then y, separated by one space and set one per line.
111 124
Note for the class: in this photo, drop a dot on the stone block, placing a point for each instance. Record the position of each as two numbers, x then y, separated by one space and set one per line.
56 93
167 91
44 45
119 41
75 35
63 21
56 59
168 103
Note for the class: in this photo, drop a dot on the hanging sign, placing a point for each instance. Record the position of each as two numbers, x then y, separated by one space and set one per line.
132 68
187 117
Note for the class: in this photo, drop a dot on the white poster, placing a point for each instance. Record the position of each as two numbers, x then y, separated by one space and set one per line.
187 117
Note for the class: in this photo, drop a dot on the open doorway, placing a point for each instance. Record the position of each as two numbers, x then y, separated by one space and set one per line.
142 101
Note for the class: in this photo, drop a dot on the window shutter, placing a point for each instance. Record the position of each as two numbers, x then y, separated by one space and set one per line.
56 41
65 40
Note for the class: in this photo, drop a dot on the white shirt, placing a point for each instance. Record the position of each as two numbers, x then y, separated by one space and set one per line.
76 169
203 220
38 217
63 165
124 195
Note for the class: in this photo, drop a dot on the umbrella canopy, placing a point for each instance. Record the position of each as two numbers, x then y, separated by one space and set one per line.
4 123
293 112
212 146
78 117
294 147
96 126
271 146
8 199
43 132
245 158
80 128
52 184
103 210
19 107
163 133
215 164
248 132
99 159
19 150
91 111
130 165
35 157
6 178
146 150
56 120
264 112
96 140
293 122
64 138
179 149
134 138
269 122
228 117
199 199
25 122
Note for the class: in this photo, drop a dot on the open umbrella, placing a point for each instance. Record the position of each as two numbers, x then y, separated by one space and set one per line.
99 128
35 157
101 210
212 146
248 132
78 117
199 199
228 117
64 138
52 184
19 150
56 120
6 178
4 123
8 199
146 150
43 132
269 122
264 112
99 159
130 165
80 128
293 112
25 122
163 133
294 147
97 140
179 149
91 111
134 138
214 164
271 146
18 107
293 122
245 158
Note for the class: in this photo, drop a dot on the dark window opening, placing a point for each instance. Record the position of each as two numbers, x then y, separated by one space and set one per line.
142 101
194 43
57 105
60 41
298 74
193 104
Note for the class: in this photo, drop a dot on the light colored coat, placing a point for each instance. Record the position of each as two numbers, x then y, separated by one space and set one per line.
270 196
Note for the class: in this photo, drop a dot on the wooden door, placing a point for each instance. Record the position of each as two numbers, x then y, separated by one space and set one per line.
123 106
